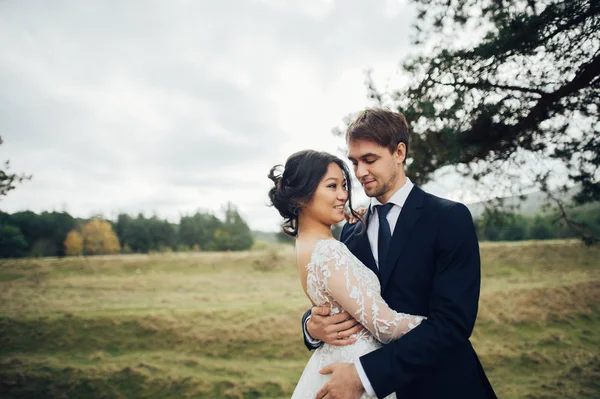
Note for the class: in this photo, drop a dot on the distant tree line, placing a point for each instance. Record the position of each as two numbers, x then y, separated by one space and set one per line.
507 226
60 234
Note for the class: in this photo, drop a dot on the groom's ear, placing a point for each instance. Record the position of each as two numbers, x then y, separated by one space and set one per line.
400 153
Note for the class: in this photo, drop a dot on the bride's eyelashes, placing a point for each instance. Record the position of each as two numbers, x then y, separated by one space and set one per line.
334 186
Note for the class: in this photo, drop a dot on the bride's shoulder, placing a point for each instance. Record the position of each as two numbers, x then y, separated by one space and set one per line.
329 247
329 243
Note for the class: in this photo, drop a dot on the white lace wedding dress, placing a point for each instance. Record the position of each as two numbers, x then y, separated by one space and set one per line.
338 279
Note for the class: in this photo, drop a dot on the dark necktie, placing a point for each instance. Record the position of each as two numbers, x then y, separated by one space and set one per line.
385 235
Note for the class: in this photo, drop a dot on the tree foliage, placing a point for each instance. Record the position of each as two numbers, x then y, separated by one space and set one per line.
198 229
99 238
44 233
500 225
505 90
141 234
541 228
73 244
8 180
234 234
12 242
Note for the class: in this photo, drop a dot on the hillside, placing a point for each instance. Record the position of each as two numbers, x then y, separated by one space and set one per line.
532 204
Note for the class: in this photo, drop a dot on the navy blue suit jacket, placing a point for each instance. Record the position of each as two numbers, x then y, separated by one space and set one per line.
432 269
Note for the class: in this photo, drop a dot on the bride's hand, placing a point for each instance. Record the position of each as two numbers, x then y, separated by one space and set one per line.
333 330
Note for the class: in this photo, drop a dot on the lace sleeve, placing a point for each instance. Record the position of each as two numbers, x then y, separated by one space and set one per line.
349 283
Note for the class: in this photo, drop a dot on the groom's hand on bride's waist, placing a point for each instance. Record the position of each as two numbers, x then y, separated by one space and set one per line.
335 329
343 384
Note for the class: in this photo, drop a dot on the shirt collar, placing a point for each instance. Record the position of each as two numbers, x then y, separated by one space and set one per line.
399 197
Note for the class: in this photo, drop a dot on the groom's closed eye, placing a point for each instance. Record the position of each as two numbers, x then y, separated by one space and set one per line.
368 161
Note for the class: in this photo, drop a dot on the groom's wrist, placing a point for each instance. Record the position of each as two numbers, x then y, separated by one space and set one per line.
309 338
363 378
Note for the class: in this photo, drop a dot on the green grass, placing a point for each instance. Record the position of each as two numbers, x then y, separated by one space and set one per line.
227 325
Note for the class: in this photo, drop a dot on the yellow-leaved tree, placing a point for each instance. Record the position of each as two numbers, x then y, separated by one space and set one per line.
99 238
73 244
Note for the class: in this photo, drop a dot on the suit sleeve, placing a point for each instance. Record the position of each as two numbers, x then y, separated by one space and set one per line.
309 341
452 311
347 230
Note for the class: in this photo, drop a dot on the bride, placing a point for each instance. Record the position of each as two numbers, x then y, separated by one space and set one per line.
310 195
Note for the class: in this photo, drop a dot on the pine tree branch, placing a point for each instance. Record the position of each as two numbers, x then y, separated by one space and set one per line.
490 85
506 134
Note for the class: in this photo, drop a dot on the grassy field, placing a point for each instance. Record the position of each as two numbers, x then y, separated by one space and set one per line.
211 325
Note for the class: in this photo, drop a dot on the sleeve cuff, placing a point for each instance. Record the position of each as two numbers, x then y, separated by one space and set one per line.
363 378
309 339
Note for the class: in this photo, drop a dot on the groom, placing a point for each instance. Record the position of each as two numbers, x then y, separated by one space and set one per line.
425 252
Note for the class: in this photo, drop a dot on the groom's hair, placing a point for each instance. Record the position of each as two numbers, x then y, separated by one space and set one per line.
381 126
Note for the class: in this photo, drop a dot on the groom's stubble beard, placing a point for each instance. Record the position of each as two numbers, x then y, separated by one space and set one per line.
385 186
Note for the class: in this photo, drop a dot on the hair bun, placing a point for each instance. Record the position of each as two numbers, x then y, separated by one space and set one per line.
279 199
274 177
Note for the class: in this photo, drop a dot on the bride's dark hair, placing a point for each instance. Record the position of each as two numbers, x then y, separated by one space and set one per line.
298 182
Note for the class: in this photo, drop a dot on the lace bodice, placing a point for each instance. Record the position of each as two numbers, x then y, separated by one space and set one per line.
337 278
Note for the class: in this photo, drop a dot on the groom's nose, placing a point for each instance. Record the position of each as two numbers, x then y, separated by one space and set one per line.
361 170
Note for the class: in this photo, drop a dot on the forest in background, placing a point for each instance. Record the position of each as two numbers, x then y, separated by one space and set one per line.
30 234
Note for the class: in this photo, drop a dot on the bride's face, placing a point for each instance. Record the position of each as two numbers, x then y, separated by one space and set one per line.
327 203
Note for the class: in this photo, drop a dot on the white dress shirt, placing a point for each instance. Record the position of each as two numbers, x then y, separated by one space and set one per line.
398 199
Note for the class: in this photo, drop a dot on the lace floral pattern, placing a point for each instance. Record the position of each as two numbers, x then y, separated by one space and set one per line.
338 279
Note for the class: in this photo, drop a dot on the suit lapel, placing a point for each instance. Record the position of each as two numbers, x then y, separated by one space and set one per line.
359 244
409 215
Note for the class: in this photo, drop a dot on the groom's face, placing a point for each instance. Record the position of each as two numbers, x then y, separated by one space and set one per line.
375 167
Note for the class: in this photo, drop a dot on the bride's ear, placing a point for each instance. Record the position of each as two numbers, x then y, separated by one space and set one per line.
301 207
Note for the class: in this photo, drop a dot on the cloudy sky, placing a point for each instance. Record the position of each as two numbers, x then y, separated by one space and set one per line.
169 107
